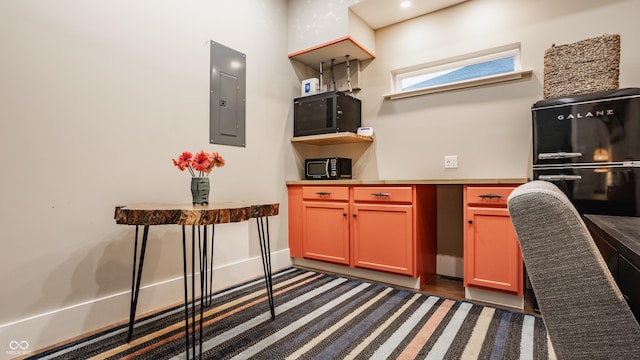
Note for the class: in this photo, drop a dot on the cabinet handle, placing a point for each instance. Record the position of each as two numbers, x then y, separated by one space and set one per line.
354 215
344 214
470 221
323 193
381 194
490 196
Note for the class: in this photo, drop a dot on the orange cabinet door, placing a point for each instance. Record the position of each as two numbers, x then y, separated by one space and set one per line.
383 238
325 227
492 256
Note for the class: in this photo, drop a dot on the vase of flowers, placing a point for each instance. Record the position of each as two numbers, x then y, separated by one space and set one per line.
200 189
200 166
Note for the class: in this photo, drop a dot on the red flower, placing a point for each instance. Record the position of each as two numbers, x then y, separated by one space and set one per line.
201 161
184 161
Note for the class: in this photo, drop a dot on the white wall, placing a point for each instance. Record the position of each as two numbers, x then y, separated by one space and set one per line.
314 22
95 99
489 128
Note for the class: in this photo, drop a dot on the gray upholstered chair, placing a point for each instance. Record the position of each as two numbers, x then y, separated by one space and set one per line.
582 307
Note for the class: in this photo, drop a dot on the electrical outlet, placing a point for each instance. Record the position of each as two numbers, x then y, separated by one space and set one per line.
451 161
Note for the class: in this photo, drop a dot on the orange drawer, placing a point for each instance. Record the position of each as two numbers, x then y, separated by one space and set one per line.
402 194
325 193
488 195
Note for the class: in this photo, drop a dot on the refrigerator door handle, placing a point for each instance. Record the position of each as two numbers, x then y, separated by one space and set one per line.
558 155
559 177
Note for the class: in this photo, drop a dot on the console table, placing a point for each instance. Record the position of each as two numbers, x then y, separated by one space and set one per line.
199 217
618 239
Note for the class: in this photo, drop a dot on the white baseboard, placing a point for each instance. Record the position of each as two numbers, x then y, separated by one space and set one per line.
379 276
452 266
494 297
27 335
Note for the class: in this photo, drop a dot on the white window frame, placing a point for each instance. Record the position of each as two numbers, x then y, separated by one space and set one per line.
397 76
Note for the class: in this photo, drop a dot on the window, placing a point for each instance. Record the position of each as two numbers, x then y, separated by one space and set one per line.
493 65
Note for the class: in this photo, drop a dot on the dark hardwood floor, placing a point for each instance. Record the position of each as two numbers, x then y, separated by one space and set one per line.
454 289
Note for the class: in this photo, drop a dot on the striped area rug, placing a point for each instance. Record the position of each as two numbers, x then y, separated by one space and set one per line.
322 316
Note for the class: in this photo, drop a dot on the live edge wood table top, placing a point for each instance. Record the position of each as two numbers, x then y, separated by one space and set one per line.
188 214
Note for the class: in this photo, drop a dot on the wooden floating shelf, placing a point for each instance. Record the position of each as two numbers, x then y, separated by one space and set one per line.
335 49
332 139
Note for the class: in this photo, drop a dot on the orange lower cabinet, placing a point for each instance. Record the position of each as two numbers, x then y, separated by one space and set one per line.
492 257
325 231
383 238
383 228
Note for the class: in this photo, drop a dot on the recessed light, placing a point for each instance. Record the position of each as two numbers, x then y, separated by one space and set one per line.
405 4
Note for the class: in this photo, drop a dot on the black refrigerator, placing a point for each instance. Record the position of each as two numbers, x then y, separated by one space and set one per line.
589 146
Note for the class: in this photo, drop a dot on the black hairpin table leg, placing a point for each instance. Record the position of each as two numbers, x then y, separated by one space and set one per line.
265 250
193 290
206 265
136 277
205 252
186 290
189 344
190 311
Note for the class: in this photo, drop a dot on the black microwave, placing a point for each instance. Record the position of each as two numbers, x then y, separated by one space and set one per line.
329 112
327 169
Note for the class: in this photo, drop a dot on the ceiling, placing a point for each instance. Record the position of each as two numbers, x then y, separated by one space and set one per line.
381 13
